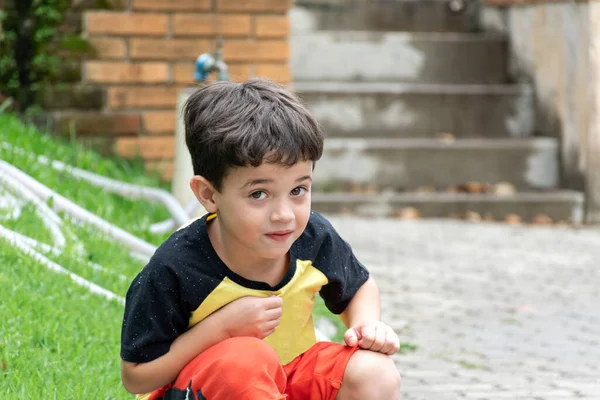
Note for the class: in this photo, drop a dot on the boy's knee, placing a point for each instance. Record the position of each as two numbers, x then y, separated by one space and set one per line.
371 375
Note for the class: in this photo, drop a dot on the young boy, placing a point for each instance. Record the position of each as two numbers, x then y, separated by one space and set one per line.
223 310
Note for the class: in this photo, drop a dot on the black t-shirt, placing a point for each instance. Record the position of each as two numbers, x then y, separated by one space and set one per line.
185 281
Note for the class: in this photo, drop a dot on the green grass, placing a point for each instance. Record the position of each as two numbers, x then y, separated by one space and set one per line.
57 340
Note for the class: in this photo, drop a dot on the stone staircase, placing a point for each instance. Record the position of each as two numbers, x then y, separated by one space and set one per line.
421 116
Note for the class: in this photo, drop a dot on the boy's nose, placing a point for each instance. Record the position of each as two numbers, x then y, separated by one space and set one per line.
282 213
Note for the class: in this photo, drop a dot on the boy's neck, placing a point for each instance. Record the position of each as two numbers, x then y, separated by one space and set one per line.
243 263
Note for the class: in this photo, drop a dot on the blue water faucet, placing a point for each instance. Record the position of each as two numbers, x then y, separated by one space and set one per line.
207 63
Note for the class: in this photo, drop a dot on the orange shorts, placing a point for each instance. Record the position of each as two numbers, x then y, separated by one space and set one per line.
245 368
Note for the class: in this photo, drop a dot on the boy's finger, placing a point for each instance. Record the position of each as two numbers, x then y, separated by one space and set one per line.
271 325
380 338
273 302
350 337
273 313
368 336
389 347
392 343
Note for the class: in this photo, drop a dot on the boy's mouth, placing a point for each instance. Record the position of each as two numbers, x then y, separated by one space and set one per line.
280 236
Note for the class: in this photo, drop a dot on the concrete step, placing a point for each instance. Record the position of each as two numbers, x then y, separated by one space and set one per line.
559 206
406 57
404 164
386 15
403 109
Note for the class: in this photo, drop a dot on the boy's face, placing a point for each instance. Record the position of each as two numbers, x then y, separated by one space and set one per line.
263 210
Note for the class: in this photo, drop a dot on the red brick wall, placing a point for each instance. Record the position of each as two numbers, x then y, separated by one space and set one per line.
146 53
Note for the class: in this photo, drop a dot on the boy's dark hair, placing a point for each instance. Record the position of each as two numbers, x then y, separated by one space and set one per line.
231 124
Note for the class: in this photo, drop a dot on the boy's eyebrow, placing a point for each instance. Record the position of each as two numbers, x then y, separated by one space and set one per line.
262 181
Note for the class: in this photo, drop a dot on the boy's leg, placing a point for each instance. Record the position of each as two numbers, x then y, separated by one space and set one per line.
241 367
317 373
370 375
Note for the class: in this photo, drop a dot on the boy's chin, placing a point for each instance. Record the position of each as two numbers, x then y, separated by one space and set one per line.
275 254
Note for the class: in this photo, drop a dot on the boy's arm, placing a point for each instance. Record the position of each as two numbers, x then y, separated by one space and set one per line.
362 317
247 316
145 377
364 307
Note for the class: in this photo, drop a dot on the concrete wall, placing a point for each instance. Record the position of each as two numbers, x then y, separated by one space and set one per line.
593 139
549 46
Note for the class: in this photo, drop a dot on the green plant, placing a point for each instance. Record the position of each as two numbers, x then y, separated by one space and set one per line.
29 51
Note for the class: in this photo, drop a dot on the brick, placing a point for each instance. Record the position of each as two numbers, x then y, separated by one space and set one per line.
262 50
172 5
165 49
120 23
254 5
149 148
81 96
123 97
278 72
184 73
97 124
271 26
124 72
82 5
164 168
210 25
159 122
109 48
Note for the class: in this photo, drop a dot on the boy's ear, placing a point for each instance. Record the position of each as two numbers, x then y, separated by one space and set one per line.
204 192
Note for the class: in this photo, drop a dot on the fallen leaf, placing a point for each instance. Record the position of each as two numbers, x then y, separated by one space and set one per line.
447 137
474 187
407 213
541 219
473 216
504 189
3 365
512 219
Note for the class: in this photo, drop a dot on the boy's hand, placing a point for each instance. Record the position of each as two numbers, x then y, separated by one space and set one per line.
251 316
374 336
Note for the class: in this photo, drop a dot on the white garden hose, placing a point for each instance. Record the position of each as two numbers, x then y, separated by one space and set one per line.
92 287
76 212
180 216
48 217
170 224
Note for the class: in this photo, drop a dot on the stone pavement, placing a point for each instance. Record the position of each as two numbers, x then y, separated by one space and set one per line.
496 311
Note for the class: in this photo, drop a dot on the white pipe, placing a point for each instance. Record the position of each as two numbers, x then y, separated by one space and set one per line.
10 204
128 190
46 248
48 217
92 287
60 203
169 225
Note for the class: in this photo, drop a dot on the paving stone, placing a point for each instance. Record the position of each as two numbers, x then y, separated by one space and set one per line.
496 311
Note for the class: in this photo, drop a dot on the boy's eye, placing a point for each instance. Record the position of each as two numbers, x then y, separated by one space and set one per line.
298 191
258 195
